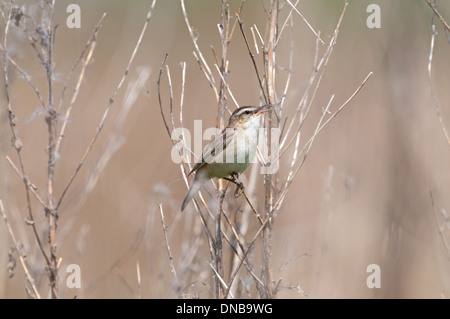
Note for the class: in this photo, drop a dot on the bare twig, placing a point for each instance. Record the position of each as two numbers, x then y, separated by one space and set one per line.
25 75
259 35
20 252
51 119
91 39
113 143
252 57
308 144
242 259
166 240
289 68
133 55
440 228
254 40
218 275
91 43
30 185
269 179
289 18
306 21
227 86
435 10
16 142
169 80
159 96
234 179
304 107
138 273
183 82
83 158
430 84
198 54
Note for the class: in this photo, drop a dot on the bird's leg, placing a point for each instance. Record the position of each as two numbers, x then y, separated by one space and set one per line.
234 178
239 185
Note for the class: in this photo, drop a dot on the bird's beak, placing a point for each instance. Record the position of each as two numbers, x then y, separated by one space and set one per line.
264 109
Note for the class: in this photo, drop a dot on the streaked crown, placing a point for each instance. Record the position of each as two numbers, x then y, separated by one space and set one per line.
245 113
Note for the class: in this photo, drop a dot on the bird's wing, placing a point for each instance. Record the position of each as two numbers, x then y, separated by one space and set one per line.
218 144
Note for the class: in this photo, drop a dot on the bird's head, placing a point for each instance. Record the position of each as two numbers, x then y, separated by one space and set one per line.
246 115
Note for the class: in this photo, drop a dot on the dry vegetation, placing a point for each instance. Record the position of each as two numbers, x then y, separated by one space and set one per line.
87 176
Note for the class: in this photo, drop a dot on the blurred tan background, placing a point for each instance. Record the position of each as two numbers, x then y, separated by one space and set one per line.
363 196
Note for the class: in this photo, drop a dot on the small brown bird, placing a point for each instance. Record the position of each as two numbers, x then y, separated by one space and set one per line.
230 152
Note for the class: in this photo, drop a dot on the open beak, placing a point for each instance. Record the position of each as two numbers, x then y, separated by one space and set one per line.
264 109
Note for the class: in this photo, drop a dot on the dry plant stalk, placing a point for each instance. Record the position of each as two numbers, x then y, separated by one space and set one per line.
219 225
42 40
22 256
442 226
270 181
430 61
444 235
436 11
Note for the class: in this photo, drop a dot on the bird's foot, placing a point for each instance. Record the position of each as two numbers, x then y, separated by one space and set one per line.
234 178
239 185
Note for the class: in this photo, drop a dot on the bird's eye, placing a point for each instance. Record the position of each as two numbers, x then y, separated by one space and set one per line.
247 112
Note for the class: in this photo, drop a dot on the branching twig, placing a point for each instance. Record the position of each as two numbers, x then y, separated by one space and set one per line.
304 107
306 21
83 158
112 145
111 100
45 50
16 142
242 259
91 43
19 250
26 180
166 240
198 54
51 119
435 10
25 75
308 144
252 57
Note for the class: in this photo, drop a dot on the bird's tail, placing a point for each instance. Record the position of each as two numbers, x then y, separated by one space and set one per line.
193 190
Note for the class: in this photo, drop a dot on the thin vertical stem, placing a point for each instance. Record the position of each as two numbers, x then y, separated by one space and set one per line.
269 179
